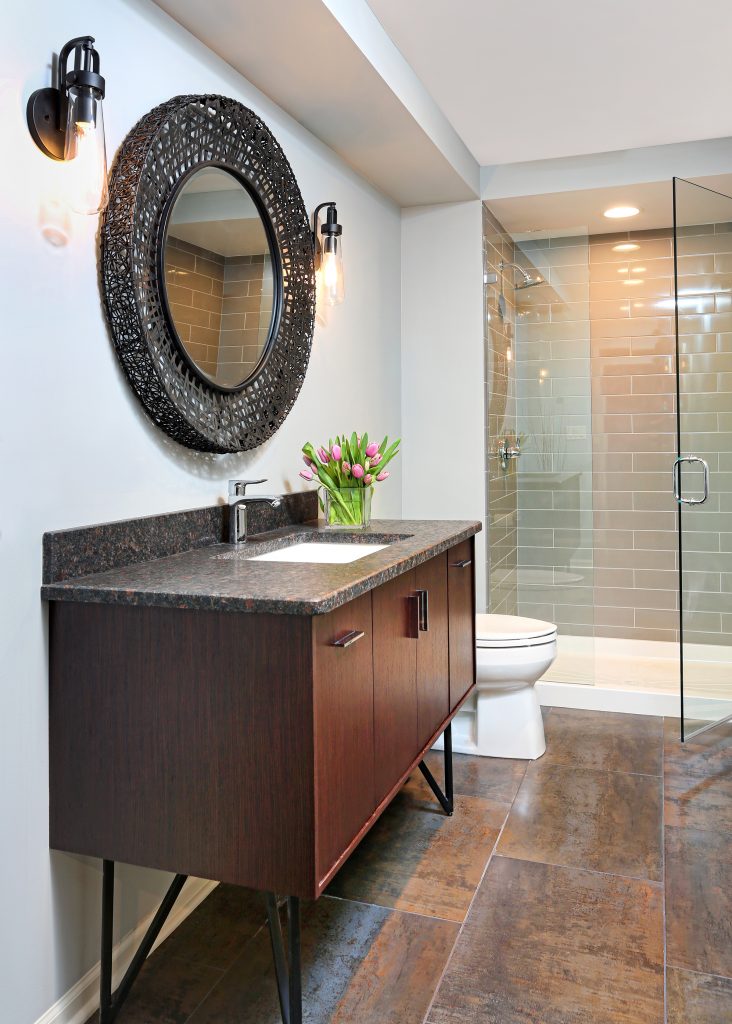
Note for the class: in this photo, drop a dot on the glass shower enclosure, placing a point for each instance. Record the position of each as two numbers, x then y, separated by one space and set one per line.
702 471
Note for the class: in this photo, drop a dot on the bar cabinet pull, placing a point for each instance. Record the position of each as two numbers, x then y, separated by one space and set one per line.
423 619
349 638
462 565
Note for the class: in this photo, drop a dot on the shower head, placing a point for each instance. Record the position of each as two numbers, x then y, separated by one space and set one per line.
528 280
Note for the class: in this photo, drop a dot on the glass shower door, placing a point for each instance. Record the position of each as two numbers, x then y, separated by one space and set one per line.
702 472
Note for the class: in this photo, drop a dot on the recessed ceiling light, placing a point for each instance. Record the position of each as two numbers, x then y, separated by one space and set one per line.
616 212
634 280
625 246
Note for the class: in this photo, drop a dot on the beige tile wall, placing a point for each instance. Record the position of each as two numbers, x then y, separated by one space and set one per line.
500 421
194 280
596 396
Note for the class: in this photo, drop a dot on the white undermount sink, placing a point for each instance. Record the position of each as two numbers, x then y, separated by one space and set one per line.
325 553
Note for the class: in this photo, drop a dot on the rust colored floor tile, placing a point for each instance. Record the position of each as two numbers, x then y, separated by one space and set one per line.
361 965
167 991
552 945
697 998
584 818
608 741
493 778
217 930
699 900
417 859
698 778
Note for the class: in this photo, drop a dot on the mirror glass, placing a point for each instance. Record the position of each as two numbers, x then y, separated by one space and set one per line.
219 276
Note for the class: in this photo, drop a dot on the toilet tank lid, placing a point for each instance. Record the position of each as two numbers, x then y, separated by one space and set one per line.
510 627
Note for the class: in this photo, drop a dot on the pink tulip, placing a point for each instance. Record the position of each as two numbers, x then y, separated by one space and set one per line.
306 474
358 471
323 456
382 475
372 449
367 479
376 459
336 452
307 460
346 467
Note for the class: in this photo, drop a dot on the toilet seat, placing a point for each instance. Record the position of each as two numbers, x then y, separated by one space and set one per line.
502 631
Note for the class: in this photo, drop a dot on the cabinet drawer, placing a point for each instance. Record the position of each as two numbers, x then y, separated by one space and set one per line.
345 796
461 618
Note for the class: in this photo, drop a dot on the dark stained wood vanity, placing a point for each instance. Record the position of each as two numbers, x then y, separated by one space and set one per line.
258 746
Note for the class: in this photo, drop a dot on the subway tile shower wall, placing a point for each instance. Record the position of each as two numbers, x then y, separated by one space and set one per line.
595 398
500 392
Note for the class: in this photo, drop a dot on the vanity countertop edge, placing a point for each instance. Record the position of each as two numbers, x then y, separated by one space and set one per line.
222 577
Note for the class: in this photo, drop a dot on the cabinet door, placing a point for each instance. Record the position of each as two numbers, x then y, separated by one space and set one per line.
395 680
433 670
461 612
344 727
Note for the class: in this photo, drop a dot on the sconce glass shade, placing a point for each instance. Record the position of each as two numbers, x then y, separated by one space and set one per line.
85 147
331 270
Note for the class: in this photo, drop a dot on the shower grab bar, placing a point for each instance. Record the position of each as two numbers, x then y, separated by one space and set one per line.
677 480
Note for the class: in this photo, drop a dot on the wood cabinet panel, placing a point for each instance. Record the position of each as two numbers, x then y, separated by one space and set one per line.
345 796
433 669
183 741
461 612
395 679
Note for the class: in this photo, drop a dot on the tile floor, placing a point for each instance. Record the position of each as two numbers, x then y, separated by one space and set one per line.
593 886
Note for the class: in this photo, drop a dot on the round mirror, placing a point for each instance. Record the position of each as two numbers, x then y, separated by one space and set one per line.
220 273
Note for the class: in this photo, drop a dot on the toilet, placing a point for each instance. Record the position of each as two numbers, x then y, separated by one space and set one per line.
504 719
512 655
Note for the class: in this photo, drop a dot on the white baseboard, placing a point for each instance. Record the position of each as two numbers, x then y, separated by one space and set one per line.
82 999
597 698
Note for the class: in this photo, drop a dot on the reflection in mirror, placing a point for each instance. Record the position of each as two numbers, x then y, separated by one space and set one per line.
219 277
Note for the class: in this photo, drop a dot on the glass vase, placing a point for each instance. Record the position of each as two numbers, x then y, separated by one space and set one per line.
346 508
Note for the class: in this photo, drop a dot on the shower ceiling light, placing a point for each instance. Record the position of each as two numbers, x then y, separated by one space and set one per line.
626 246
616 212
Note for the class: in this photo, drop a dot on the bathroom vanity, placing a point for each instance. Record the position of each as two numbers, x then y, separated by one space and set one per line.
247 720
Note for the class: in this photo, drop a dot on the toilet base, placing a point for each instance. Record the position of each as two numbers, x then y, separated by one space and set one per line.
508 723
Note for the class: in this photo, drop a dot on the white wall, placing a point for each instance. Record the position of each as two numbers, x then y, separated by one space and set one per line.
75 447
443 417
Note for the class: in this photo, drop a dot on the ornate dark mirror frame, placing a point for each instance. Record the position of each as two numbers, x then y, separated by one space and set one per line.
157 157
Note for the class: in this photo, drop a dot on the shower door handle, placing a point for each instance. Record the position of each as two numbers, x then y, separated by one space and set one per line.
677 480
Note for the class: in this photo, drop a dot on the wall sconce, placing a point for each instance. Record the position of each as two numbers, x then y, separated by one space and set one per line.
66 123
328 256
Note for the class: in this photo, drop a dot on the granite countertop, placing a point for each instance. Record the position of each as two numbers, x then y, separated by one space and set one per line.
221 577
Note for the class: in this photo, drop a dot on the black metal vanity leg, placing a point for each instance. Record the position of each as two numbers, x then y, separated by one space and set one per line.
288 968
110 1002
447 740
105 975
278 955
445 799
293 941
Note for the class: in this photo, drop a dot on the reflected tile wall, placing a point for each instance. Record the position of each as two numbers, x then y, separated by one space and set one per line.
500 387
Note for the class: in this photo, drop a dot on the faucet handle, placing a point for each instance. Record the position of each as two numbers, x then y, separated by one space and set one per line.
238 488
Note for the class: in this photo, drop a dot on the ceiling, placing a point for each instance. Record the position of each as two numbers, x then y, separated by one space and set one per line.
323 72
582 211
534 80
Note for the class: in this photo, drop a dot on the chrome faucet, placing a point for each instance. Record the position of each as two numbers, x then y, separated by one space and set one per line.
238 503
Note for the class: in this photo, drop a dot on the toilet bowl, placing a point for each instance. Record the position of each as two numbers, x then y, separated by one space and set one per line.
503 718
512 654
